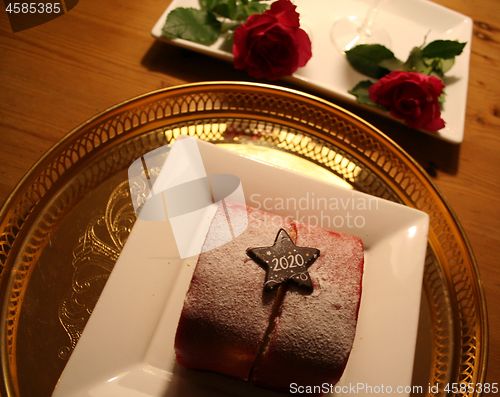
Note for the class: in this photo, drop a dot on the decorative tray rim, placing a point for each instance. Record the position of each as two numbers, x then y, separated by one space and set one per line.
15 198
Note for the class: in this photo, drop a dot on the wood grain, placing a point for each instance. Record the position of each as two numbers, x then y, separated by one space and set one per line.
57 75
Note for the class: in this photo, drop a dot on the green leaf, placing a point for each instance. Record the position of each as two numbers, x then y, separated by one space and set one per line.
236 10
360 91
444 49
193 25
392 64
370 59
208 5
229 26
226 8
430 66
227 44
439 66
416 62
447 64
243 11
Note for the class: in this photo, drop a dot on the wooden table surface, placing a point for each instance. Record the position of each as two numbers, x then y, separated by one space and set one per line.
57 75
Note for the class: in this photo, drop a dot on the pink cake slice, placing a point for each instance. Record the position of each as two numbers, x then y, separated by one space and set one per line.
226 313
313 335
230 325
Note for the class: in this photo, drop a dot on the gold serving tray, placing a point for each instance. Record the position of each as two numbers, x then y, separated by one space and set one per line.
64 226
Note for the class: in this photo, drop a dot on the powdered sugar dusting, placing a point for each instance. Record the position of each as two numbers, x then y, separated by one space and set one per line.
226 312
225 302
314 333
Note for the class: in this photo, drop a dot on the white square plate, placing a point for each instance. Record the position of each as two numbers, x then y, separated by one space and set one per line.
407 23
127 347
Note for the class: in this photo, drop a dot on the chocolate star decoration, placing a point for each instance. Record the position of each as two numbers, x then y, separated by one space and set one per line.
285 261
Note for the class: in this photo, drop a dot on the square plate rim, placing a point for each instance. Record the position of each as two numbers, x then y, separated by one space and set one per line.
141 367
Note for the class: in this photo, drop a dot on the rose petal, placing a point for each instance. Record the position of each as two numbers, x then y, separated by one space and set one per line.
303 45
411 96
285 12
271 45
436 84
435 125
409 107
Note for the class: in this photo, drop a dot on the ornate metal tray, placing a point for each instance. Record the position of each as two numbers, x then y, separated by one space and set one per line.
63 227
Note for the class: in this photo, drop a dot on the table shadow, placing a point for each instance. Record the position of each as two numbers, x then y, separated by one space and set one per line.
185 382
189 66
432 153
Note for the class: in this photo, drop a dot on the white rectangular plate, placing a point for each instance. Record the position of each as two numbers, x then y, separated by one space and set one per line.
127 347
407 23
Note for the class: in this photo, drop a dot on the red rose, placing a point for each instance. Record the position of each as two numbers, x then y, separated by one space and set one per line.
272 44
411 96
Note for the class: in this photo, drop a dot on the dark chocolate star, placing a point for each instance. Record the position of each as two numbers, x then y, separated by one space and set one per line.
285 261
